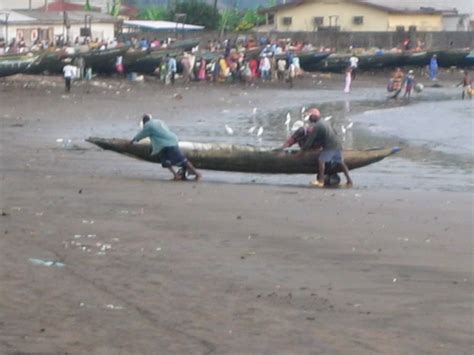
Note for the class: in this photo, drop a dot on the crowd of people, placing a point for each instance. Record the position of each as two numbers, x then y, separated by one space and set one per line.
236 66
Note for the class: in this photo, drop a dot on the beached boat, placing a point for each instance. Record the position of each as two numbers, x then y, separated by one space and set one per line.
310 60
248 159
146 62
338 62
16 64
49 63
469 59
184 44
416 59
101 61
454 58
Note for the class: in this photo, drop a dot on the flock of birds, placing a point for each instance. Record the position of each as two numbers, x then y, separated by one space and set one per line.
290 128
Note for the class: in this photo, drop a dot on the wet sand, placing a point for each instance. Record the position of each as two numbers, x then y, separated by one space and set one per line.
157 267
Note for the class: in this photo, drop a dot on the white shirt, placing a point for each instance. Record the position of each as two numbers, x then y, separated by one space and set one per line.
69 71
265 64
354 61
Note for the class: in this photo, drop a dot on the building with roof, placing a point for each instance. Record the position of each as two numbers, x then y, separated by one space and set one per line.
350 16
159 26
32 25
100 5
62 5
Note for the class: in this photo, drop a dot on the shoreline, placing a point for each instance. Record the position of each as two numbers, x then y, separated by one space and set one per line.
212 267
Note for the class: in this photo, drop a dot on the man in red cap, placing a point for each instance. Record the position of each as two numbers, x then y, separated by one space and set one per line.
321 136
301 134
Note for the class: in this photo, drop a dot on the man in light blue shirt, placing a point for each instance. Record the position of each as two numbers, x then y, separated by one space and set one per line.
165 144
172 68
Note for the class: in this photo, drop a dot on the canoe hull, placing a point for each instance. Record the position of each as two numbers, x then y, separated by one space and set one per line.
246 159
11 65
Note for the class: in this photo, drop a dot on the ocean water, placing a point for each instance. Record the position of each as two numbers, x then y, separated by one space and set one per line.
436 137
435 132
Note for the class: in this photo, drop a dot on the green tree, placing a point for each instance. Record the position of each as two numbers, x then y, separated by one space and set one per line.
235 20
116 7
250 19
198 13
155 13
87 6
230 20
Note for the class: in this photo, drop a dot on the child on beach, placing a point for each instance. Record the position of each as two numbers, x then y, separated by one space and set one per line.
466 83
409 83
396 83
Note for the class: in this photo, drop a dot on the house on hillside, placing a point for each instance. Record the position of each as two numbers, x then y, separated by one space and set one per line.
32 25
349 15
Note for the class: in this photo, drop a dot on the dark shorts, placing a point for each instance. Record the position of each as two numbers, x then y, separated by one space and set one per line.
331 155
172 156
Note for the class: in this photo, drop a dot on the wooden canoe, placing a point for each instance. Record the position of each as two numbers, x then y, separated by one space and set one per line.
16 64
247 159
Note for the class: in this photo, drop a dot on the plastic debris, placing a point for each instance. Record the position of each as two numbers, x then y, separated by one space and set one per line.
40 262
105 247
111 306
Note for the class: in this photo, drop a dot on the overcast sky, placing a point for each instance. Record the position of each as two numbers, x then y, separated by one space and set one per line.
465 6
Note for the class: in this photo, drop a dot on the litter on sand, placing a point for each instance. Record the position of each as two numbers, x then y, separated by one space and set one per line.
40 262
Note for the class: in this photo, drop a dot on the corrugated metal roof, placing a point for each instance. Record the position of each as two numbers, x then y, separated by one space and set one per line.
163 25
58 17
14 16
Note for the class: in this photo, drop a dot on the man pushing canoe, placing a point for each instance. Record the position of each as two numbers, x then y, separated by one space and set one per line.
165 144
320 135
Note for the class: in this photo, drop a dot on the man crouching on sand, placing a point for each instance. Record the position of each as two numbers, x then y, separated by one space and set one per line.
324 138
165 145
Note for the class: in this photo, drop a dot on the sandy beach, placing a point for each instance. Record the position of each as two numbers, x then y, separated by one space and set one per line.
149 266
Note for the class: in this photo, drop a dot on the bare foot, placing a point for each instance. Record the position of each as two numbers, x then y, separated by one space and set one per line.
317 183
177 178
349 184
198 177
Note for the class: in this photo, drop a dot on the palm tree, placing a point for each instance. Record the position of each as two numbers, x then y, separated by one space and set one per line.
116 7
88 6
215 4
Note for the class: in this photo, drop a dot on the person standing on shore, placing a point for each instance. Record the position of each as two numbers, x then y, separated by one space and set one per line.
409 83
281 67
172 69
354 64
396 83
347 88
186 68
433 69
466 83
69 72
165 144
